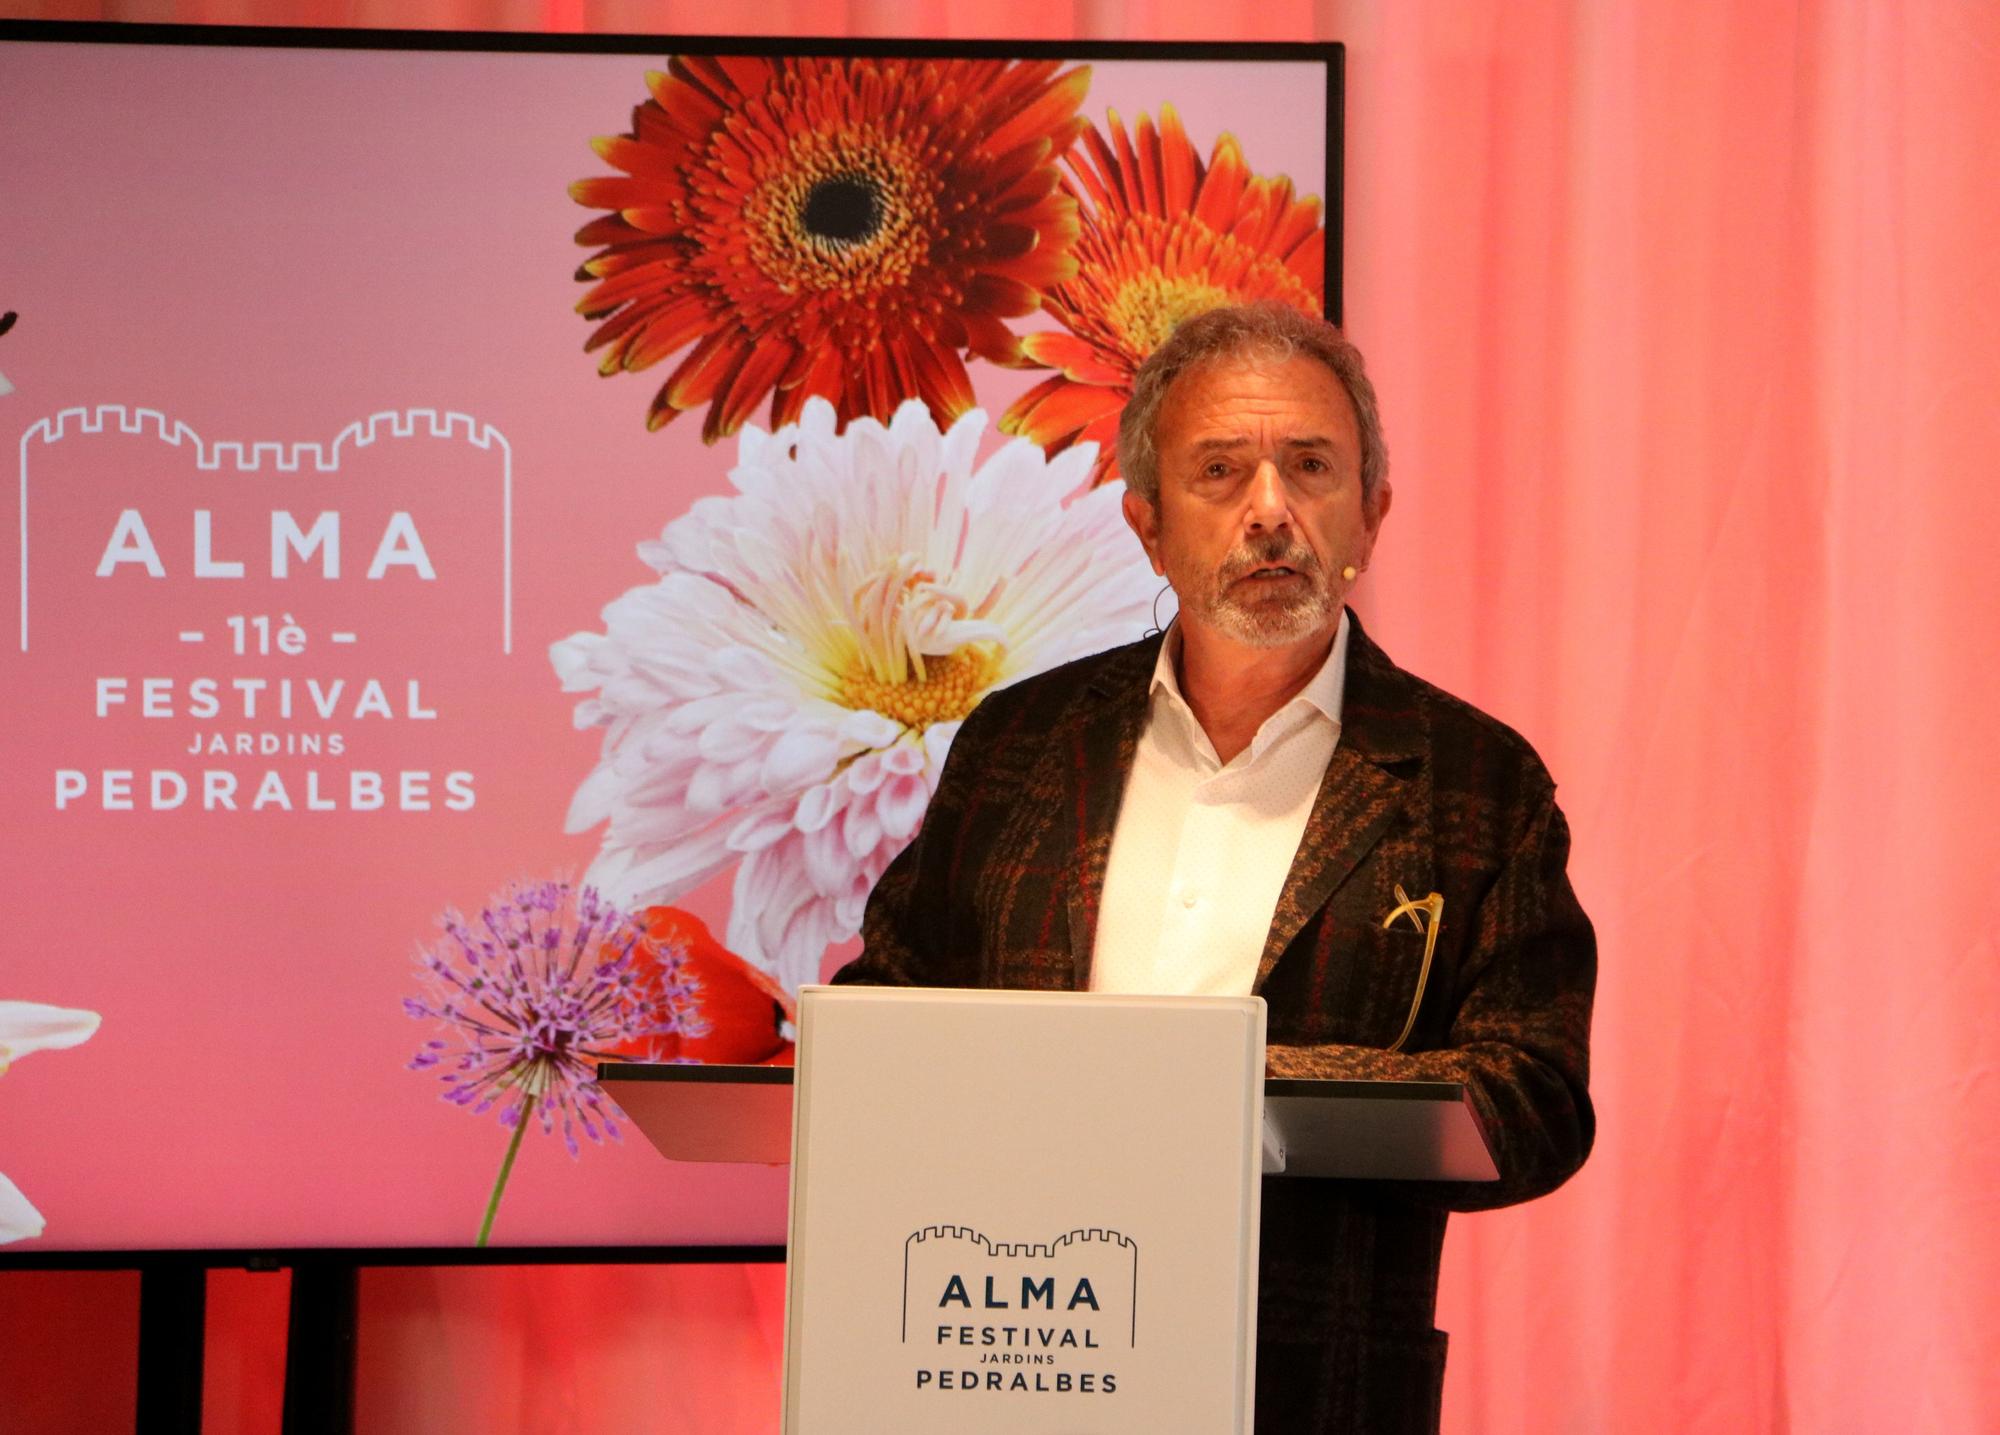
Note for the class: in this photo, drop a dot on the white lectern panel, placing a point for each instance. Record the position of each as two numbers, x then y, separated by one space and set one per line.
1023 1211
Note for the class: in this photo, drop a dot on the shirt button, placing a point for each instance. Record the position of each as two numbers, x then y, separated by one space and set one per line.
1188 899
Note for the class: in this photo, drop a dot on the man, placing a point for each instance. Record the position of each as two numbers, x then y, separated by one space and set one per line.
1237 807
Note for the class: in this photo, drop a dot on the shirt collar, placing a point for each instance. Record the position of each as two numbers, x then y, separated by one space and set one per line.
1324 691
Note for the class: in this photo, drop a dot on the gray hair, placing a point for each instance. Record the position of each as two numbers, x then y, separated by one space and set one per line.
1276 332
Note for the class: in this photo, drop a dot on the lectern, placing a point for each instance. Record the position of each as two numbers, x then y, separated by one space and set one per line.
1033 1211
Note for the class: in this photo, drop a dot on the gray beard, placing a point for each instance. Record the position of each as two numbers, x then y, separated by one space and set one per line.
1273 625
1266 624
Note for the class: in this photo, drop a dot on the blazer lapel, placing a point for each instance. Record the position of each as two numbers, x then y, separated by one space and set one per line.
1366 784
1098 744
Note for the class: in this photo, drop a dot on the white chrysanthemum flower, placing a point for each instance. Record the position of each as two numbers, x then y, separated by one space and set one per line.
784 695
26 1027
31 1026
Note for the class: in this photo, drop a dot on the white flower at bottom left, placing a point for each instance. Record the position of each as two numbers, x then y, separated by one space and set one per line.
26 1027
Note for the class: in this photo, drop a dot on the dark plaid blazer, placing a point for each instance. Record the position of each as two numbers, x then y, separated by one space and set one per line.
1001 889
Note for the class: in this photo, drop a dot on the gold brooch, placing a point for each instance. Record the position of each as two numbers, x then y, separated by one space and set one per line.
1426 914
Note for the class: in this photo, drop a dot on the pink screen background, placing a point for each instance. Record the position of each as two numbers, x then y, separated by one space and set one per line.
307 239
1677 317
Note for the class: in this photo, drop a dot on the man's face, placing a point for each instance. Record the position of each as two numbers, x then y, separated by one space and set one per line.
1260 499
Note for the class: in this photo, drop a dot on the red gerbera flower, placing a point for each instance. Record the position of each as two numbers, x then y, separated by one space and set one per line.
1164 237
840 227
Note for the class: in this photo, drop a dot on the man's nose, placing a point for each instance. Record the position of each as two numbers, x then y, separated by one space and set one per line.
1270 505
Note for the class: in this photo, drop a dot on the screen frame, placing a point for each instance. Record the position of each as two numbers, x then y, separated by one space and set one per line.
1331 54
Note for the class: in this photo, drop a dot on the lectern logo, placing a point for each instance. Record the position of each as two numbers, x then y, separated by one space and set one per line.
1019 1318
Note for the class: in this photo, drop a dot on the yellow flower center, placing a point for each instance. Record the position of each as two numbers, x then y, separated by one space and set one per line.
1150 306
944 691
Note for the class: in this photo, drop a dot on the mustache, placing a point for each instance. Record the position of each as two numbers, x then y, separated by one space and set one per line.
1268 550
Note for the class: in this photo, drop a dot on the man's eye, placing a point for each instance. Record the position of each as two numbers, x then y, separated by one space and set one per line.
1312 465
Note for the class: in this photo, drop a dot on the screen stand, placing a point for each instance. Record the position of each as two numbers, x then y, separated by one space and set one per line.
173 1305
319 1348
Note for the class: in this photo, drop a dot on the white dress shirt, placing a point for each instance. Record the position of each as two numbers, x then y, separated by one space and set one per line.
1202 849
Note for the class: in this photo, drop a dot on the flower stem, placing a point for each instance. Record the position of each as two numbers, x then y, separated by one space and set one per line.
506 1169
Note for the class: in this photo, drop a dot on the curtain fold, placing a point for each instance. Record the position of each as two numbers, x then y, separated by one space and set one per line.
1682 322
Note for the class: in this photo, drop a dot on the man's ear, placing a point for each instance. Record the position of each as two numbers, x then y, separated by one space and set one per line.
1377 509
1144 520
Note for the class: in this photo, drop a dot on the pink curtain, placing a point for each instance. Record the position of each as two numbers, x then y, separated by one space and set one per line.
1683 322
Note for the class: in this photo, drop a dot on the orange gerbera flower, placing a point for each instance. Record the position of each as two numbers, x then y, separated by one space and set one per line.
1164 237
841 227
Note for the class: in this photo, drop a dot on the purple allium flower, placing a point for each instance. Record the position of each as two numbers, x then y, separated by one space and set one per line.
545 982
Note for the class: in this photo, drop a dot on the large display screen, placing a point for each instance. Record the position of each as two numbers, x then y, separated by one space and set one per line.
499 542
